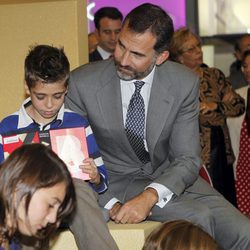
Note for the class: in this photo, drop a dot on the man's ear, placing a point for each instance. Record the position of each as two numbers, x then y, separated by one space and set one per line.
27 90
162 57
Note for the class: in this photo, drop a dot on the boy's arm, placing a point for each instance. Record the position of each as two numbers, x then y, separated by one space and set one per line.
103 185
94 153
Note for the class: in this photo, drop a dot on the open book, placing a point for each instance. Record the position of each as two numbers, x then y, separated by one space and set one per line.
70 145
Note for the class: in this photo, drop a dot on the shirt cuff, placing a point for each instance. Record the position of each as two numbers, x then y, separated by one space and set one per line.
163 192
111 203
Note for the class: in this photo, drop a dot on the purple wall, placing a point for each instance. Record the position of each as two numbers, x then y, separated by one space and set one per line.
175 8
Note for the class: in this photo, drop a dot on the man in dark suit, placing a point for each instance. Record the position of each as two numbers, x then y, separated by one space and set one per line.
144 114
108 22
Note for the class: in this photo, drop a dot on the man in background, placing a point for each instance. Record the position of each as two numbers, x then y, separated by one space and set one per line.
236 76
108 22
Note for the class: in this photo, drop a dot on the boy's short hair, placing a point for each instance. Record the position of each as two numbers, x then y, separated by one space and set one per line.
46 63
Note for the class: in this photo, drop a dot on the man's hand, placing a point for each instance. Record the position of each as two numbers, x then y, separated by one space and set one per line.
136 209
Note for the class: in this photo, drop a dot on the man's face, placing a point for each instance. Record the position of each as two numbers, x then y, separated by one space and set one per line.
108 33
135 56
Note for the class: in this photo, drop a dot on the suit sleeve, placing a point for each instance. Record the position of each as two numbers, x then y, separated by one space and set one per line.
73 98
182 167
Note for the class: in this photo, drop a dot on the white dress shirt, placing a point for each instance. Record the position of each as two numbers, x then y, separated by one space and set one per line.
104 54
127 90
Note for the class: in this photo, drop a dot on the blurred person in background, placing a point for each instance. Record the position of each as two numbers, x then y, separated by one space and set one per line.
239 128
236 76
92 41
108 22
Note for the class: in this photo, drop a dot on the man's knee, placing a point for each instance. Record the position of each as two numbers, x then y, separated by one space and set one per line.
83 190
192 211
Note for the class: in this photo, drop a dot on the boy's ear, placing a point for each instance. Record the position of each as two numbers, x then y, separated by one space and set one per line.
27 91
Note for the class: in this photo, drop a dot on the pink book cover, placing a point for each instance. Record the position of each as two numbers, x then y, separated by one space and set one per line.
71 146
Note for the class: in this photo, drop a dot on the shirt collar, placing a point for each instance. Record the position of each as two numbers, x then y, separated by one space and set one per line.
104 53
25 120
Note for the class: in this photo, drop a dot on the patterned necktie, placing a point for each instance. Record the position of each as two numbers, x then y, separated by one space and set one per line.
135 123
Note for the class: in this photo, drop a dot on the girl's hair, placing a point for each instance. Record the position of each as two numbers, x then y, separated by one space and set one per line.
26 170
179 235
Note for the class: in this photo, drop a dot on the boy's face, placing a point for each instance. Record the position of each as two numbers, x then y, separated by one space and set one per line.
47 99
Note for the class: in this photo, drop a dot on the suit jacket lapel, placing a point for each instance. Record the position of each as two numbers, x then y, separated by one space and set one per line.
159 106
110 104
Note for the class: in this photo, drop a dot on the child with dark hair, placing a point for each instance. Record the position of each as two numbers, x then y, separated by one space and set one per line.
46 82
36 193
179 235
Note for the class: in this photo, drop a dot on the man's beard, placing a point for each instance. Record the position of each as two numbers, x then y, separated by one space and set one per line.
133 74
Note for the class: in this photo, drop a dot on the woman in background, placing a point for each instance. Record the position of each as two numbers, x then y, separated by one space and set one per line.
218 101
36 193
239 129
179 235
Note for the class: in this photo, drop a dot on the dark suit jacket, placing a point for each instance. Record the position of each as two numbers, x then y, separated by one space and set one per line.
95 56
172 131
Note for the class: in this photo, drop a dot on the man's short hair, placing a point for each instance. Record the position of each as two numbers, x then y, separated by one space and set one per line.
150 17
109 12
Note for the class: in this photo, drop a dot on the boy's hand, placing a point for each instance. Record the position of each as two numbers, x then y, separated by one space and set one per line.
88 166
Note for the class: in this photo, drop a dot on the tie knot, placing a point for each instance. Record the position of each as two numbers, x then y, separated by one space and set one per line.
138 86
